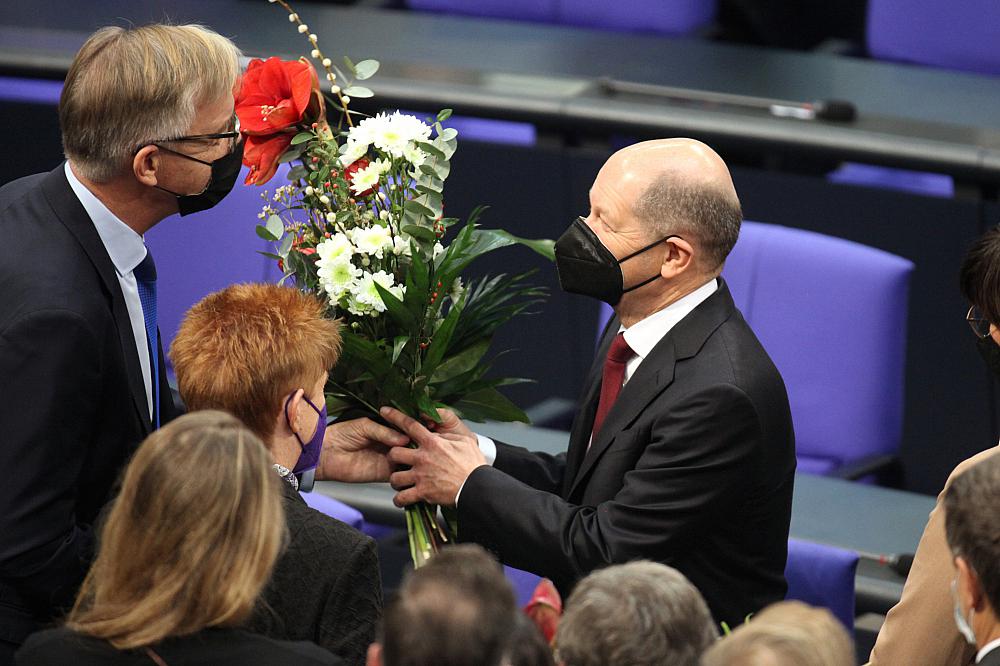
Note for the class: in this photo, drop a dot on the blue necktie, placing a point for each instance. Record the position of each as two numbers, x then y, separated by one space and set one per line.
145 277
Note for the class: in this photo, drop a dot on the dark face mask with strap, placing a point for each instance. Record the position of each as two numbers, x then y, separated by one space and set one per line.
585 266
225 170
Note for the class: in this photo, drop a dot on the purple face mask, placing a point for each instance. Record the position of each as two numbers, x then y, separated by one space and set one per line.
309 458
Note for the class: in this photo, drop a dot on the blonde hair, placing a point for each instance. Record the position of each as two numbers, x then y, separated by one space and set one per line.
787 633
246 347
128 87
190 541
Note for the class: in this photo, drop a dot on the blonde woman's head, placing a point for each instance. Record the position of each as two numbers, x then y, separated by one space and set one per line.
191 539
128 87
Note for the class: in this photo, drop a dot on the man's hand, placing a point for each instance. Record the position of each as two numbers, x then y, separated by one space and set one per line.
441 463
355 451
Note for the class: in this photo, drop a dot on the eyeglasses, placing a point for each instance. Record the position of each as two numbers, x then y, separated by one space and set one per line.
233 135
980 325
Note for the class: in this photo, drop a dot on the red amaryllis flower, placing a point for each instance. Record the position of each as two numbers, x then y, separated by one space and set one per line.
261 154
545 608
277 94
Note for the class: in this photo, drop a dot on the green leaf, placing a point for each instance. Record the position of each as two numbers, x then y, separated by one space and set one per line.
449 133
441 339
431 149
543 246
350 67
366 69
443 115
418 232
461 362
397 346
286 245
396 310
275 227
297 172
489 404
264 233
418 208
358 91
302 137
427 407
292 153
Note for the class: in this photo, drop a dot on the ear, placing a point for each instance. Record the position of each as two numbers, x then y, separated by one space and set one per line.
294 410
374 657
970 590
678 258
145 163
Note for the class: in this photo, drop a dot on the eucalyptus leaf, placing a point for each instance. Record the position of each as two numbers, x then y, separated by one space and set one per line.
275 227
264 233
432 149
286 245
292 153
366 69
417 207
443 115
302 137
359 92
297 172
418 232
449 133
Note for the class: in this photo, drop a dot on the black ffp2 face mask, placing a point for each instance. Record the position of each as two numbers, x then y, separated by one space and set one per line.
585 266
225 170
990 352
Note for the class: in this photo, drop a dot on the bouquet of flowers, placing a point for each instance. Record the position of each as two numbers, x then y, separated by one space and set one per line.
361 224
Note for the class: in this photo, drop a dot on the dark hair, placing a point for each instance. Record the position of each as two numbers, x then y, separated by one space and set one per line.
972 523
980 275
526 645
457 609
706 216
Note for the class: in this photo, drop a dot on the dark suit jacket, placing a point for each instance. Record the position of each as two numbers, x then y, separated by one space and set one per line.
72 400
991 658
693 468
210 647
326 588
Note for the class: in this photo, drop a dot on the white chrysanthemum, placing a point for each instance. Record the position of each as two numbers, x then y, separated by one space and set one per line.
414 155
365 179
401 245
372 240
393 133
334 248
355 150
338 278
382 166
366 294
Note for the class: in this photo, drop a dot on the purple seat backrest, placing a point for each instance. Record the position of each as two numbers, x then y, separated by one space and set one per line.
832 315
204 252
822 576
941 33
335 509
672 17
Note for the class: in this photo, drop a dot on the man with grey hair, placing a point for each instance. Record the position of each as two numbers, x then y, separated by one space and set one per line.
682 450
148 127
636 614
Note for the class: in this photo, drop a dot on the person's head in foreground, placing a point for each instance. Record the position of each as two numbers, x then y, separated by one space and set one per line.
664 215
980 284
457 609
262 353
635 614
972 527
191 538
789 633
526 645
147 119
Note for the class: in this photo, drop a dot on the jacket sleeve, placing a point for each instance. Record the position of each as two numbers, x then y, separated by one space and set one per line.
920 628
538 470
690 466
50 370
353 606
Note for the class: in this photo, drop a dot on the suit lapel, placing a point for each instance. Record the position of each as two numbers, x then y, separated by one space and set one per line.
584 421
74 217
653 376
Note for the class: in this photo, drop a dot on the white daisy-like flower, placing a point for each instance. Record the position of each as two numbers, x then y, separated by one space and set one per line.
338 278
334 248
381 165
367 294
393 133
372 240
401 245
365 179
414 155
355 150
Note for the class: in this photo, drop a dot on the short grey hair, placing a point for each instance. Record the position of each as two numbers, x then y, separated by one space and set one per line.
128 87
703 215
636 614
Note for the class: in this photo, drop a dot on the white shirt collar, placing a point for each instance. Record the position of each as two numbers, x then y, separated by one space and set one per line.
124 245
645 334
989 647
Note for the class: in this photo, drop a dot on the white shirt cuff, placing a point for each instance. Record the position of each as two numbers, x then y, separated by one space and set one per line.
489 450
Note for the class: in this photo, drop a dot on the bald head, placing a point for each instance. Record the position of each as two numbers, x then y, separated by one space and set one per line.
680 186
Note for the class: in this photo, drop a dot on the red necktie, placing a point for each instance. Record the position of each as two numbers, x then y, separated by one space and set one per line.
612 380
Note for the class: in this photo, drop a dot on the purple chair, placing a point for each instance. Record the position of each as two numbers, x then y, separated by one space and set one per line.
832 315
523 582
335 509
201 253
953 35
822 576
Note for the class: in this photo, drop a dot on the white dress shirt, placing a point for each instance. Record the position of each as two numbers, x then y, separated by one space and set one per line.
989 647
641 337
127 250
